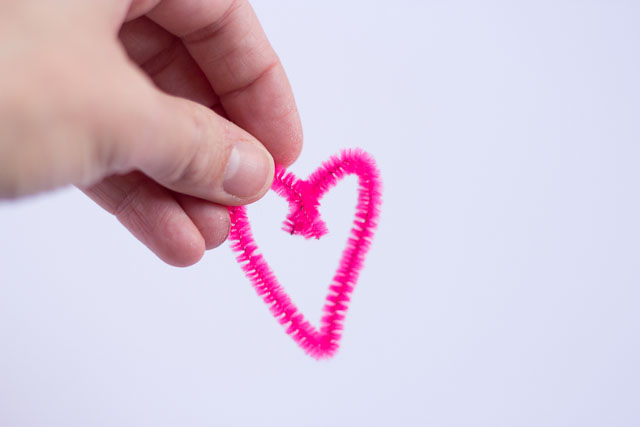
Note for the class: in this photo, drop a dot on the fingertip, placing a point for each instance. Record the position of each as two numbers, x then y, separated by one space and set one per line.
292 136
217 235
186 257
290 154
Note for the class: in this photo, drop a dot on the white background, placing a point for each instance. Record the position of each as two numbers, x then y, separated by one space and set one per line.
503 285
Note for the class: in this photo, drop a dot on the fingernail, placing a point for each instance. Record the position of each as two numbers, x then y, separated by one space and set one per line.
247 170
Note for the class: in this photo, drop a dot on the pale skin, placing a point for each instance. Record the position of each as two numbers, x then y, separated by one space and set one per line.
163 112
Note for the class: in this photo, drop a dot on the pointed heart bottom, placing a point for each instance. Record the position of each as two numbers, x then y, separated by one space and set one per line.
304 219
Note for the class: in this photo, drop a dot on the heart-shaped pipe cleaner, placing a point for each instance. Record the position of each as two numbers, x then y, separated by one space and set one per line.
304 218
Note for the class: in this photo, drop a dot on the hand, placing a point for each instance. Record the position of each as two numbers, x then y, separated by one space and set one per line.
159 110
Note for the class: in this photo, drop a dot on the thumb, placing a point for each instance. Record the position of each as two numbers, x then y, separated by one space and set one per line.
184 146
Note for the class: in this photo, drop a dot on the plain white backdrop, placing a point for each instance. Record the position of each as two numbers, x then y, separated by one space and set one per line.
503 287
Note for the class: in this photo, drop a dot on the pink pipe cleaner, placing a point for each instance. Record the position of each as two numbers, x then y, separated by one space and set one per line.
304 219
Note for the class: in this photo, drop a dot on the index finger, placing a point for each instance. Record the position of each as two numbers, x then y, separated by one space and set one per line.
227 41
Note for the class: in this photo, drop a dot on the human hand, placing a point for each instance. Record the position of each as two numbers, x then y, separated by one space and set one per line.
159 110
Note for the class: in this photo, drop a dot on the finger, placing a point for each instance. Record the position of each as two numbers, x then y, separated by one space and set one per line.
180 144
164 58
211 219
151 214
228 43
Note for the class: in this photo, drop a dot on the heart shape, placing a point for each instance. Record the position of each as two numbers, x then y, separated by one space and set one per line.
304 219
